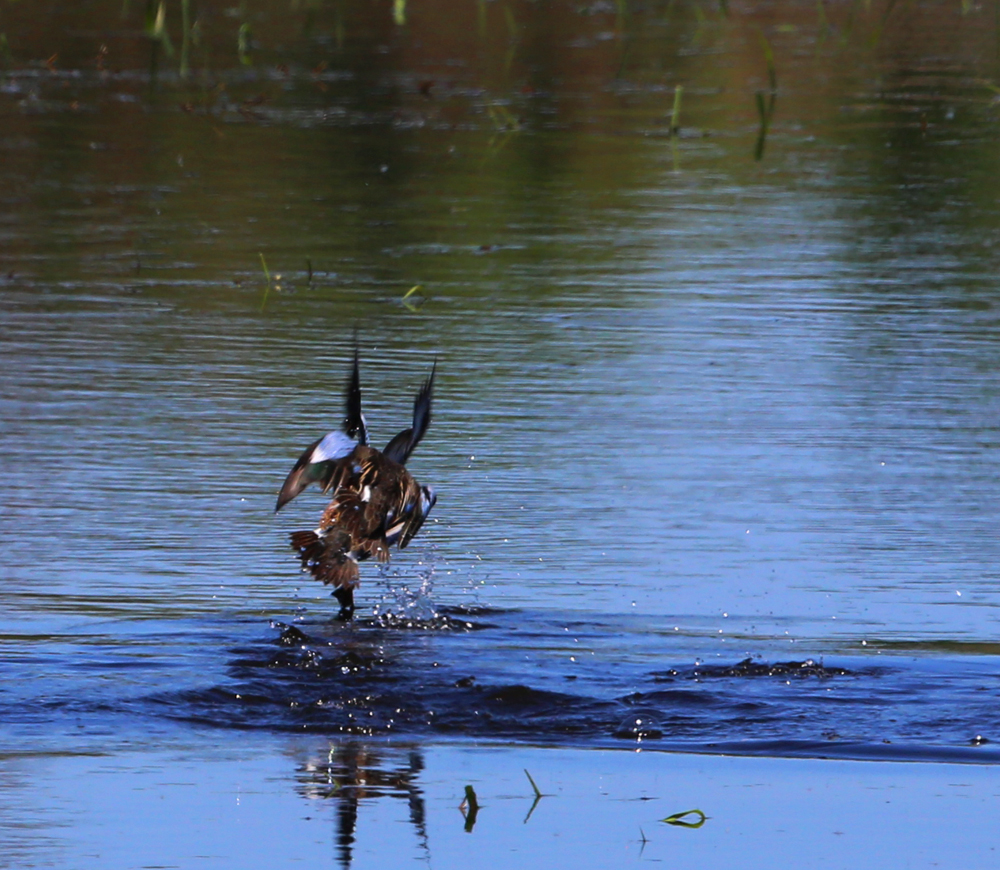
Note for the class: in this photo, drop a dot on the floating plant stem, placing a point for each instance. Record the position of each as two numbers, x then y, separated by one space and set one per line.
156 29
469 808
243 43
538 796
267 279
849 27
765 108
621 15
625 38
765 121
412 306
772 76
511 23
399 12
185 38
513 31
680 819
503 120
5 56
481 17
675 125
824 25
699 17
538 792
881 25
470 798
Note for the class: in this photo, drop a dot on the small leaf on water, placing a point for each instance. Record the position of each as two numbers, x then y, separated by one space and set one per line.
678 819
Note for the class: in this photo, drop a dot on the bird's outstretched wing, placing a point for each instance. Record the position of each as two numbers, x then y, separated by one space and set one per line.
400 448
318 462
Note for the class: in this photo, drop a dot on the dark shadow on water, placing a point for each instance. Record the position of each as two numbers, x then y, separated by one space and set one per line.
458 677
750 668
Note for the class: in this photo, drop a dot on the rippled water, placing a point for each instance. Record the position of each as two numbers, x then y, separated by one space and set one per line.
715 439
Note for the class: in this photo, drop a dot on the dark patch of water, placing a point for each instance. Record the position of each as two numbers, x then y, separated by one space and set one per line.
750 668
457 678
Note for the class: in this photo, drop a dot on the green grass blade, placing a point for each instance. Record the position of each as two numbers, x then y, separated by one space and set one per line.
267 278
538 792
675 115
772 76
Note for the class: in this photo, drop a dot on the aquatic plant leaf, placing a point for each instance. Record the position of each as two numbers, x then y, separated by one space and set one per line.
680 820
538 792
675 115
469 808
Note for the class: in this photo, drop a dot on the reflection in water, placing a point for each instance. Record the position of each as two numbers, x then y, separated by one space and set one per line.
353 773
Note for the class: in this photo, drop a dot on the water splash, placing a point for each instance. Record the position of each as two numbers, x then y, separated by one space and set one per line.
405 605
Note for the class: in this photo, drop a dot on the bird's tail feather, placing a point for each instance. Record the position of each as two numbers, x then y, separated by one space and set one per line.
327 558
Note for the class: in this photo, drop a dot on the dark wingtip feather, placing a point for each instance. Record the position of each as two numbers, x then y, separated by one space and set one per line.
422 410
400 448
293 485
354 420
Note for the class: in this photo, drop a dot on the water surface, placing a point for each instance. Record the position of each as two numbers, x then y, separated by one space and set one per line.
715 437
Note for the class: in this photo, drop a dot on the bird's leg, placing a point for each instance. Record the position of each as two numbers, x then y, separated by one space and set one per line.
346 599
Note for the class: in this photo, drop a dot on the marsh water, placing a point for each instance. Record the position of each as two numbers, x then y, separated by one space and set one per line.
716 434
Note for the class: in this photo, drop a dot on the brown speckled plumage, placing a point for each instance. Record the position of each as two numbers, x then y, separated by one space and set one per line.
375 502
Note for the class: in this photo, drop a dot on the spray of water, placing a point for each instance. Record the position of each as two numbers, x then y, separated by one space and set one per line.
406 600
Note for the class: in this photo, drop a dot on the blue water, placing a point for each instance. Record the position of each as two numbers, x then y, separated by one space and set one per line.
633 481
715 442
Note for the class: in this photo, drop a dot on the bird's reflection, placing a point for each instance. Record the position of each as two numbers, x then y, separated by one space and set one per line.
352 772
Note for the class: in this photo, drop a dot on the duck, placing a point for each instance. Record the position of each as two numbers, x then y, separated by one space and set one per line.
375 502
